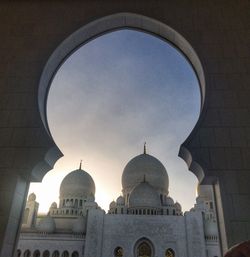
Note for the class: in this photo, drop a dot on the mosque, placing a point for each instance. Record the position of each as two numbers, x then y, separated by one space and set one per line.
143 222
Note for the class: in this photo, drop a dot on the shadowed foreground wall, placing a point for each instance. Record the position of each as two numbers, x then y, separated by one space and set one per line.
218 31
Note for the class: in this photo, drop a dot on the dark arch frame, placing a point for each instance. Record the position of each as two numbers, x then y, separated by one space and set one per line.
116 251
172 252
27 253
55 253
46 253
102 26
36 253
141 241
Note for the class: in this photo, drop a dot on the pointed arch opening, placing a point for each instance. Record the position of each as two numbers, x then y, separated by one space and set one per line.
144 248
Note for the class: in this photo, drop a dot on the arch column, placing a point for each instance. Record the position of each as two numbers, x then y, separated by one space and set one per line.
13 191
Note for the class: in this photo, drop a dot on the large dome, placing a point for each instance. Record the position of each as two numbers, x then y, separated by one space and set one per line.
77 183
145 166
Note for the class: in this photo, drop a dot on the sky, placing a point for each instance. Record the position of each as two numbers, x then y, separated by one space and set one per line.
109 97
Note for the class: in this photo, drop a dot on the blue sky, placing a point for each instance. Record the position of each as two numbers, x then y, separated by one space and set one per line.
111 95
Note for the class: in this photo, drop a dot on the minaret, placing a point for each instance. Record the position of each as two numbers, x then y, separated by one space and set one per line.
30 212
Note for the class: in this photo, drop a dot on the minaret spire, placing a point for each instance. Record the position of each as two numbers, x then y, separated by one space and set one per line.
145 149
80 167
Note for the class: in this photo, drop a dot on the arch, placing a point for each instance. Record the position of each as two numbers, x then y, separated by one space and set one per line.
65 254
75 254
118 252
46 253
114 22
144 248
55 254
27 253
36 253
169 253
19 253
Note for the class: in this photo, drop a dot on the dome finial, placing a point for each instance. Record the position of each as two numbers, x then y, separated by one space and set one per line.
80 167
145 149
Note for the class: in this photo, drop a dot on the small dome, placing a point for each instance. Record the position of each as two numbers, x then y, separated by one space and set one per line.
79 226
211 228
141 166
112 205
177 206
144 195
77 183
47 225
169 201
32 197
120 200
53 205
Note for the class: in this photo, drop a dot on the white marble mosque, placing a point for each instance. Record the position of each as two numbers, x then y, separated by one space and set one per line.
143 222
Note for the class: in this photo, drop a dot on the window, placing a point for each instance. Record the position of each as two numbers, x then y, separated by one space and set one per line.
55 254
19 253
144 250
118 252
65 254
27 253
36 253
46 253
75 254
169 253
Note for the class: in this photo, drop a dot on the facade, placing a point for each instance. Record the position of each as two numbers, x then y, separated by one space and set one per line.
143 222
